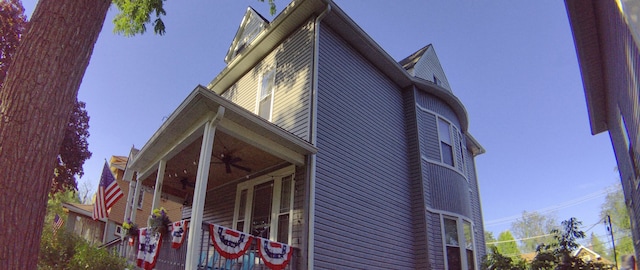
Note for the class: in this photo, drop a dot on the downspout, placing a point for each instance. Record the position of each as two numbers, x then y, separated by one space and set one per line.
314 140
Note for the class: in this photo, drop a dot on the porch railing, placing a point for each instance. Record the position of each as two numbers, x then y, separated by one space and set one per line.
170 258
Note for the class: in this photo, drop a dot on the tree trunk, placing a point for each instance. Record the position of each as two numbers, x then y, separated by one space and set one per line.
36 101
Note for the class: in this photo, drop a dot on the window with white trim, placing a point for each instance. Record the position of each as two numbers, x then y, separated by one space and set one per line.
264 206
264 103
140 201
458 240
446 142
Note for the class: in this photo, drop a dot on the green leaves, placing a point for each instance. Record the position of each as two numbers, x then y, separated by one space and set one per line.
136 14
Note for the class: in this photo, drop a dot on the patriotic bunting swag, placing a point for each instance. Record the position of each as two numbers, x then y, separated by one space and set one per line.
148 248
178 232
231 244
275 255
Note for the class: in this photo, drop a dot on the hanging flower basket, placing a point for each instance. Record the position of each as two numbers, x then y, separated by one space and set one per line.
159 221
130 229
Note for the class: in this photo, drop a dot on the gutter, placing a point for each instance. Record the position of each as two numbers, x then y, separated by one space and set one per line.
314 139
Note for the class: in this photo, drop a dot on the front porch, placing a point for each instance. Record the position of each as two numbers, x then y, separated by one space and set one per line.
174 259
226 166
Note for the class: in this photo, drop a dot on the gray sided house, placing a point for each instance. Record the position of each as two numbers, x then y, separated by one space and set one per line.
607 40
315 137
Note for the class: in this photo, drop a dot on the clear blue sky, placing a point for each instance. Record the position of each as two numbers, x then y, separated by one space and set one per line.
512 63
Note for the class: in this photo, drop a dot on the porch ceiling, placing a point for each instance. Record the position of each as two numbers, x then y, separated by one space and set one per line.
252 142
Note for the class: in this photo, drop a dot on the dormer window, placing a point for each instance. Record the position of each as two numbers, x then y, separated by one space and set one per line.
436 80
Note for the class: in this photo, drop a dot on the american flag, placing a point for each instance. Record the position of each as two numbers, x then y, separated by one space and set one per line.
57 223
108 194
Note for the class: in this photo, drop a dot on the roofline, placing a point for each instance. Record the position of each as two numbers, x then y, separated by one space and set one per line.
300 11
584 28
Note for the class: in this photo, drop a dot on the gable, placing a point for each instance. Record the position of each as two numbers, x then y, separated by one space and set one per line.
251 26
425 64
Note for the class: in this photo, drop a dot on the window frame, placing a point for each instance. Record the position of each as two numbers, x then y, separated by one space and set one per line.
462 244
451 142
248 186
269 74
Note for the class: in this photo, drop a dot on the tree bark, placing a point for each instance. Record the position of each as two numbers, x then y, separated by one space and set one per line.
36 101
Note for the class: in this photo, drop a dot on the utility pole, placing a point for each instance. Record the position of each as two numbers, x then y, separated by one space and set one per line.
610 230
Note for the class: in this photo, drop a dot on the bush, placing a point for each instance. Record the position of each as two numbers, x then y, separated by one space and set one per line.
65 250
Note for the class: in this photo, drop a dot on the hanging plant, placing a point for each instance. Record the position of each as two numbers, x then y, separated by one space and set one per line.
159 220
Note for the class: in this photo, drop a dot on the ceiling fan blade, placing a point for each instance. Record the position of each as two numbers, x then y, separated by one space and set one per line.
228 166
241 167
235 159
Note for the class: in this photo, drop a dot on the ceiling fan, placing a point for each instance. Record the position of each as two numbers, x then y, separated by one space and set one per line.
185 183
229 161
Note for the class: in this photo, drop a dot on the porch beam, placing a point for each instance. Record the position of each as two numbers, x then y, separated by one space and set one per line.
178 145
259 141
162 165
200 191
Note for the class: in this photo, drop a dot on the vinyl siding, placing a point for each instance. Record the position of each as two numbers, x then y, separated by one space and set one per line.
292 60
363 187
417 191
429 66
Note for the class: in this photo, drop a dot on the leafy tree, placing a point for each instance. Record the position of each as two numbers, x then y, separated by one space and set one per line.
489 240
497 261
615 207
507 244
66 250
36 100
13 23
597 245
558 254
73 151
530 227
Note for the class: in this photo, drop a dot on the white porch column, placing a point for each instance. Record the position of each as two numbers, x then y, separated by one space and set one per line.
200 192
130 200
134 205
162 164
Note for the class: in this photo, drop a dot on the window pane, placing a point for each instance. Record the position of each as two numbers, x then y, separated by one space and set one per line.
243 204
285 195
447 153
453 258
443 131
265 108
261 214
468 237
451 232
283 228
470 260
140 199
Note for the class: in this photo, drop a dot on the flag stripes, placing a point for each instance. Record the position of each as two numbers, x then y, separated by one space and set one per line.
57 223
108 194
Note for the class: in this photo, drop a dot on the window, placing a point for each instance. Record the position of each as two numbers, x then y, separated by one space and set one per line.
451 242
118 231
468 239
264 206
265 94
140 199
436 80
458 240
446 145
633 155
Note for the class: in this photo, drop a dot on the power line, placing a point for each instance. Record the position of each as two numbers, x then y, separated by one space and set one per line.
552 208
520 239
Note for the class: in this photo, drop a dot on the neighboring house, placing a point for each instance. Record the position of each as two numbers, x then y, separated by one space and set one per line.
102 231
607 38
315 137
582 252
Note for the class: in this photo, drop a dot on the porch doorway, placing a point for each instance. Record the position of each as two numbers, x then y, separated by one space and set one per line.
264 204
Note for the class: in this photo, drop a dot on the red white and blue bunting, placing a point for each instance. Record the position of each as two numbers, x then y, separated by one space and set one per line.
178 233
148 248
231 244
275 255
